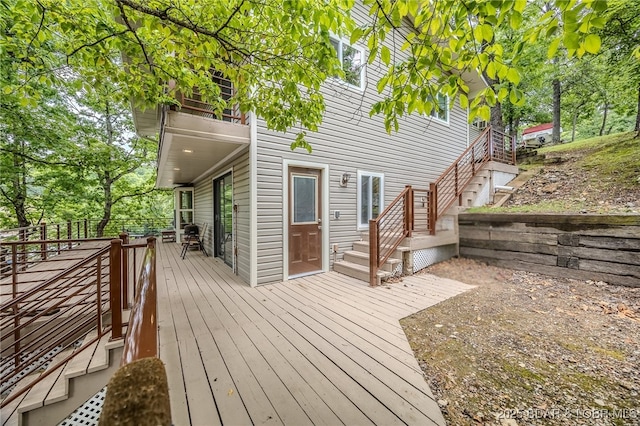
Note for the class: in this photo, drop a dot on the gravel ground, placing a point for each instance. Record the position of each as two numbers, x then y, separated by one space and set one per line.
529 349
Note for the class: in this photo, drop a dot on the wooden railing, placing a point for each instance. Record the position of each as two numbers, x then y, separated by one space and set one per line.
387 231
142 334
140 367
194 103
52 315
420 209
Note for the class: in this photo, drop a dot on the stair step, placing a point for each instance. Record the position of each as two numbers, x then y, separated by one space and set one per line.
357 271
38 394
363 246
79 364
100 359
361 258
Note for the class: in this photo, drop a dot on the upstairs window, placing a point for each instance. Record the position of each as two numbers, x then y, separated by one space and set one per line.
442 112
352 60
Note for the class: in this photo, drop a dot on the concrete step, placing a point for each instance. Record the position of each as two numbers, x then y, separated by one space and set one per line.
358 271
362 259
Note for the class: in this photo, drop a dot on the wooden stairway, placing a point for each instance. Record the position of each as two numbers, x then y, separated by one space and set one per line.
57 395
356 262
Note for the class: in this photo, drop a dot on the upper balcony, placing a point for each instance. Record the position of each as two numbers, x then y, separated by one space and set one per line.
194 138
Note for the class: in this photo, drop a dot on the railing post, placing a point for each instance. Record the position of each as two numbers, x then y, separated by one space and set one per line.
125 271
58 237
490 135
14 294
433 207
115 287
43 237
99 294
373 253
69 234
513 150
86 229
408 210
23 236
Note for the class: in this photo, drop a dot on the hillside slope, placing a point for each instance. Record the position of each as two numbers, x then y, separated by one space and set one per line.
598 175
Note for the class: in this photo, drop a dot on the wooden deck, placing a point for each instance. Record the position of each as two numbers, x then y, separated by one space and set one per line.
325 349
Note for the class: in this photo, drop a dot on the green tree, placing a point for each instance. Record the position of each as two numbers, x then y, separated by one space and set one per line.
109 151
277 54
621 38
35 141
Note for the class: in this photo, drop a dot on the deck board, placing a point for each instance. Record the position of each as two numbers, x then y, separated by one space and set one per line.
323 349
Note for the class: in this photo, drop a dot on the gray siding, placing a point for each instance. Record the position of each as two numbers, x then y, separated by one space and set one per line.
348 141
204 209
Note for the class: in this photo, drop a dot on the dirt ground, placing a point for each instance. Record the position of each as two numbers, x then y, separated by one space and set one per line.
528 349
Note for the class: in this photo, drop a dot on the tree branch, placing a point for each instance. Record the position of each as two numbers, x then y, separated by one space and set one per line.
79 48
37 160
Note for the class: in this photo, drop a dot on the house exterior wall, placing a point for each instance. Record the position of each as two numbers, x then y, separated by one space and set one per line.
348 141
203 206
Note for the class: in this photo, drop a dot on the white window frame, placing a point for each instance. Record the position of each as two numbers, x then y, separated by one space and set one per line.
435 114
361 174
341 43
316 201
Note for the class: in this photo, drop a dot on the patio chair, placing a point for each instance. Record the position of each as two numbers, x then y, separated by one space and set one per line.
192 239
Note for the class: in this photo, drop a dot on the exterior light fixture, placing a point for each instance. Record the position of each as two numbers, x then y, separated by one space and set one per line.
345 179
188 151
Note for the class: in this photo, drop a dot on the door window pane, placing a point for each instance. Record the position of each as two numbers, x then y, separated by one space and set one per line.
304 199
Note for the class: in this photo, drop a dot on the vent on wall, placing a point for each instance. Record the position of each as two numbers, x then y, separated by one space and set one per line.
479 124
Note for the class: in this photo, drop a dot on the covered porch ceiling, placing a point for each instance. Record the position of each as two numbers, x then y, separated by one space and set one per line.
192 146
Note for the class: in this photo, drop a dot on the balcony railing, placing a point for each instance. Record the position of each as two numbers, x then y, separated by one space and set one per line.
38 318
194 103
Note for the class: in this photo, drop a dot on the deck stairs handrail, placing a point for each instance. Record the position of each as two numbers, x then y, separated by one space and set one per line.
398 220
55 314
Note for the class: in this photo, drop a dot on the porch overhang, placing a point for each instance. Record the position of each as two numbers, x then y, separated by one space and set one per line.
192 146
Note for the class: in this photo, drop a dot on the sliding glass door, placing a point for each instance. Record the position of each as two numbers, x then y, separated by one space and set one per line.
223 218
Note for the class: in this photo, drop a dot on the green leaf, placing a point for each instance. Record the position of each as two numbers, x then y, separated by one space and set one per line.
385 55
592 43
355 35
464 101
487 32
571 40
515 20
553 48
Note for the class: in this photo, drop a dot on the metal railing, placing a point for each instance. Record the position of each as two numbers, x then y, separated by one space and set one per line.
54 239
387 231
195 104
420 209
52 315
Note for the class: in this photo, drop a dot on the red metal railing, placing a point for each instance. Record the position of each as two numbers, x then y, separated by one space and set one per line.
194 103
60 310
44 241
387 231
420 209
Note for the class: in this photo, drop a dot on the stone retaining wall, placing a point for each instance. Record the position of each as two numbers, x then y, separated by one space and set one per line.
588 247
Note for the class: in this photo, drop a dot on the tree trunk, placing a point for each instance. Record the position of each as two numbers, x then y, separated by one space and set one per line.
555 138
106 207
516 124
604 118
576 111
20 189
637 129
